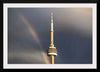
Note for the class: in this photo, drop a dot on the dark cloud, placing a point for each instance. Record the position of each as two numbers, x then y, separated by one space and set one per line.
72 35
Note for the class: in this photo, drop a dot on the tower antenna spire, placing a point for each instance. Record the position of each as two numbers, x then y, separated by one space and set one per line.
52 45
52 50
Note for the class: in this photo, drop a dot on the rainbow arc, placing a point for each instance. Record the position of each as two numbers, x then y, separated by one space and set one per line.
35 36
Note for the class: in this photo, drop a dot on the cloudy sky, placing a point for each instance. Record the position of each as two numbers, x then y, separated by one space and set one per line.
29 35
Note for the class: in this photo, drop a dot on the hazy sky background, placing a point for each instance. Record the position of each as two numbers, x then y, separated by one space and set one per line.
72 35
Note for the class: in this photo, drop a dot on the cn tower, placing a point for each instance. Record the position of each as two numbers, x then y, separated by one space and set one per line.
52 50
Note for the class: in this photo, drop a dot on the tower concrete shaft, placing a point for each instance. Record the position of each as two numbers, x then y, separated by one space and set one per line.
52 59
52 50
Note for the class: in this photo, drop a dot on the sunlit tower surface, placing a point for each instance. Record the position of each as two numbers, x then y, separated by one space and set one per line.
52 50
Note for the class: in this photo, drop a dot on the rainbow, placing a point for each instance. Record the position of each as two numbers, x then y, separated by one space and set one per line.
35 36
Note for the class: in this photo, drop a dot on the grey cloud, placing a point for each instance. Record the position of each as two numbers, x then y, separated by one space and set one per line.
75 19
25 57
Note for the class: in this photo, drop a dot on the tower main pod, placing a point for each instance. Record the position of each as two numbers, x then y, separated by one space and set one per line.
52 50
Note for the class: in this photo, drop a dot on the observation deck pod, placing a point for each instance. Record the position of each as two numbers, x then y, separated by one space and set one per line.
52 51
